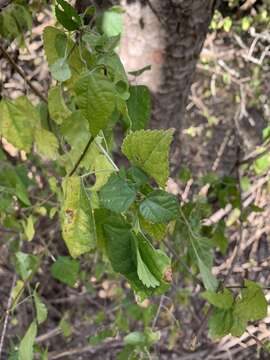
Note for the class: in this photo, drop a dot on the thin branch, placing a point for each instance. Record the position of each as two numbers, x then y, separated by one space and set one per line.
244 287
82 156
252 158
7 315
247 5
158 311
109 346
9 231
22 74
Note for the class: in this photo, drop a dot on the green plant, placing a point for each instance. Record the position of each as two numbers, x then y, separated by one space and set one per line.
124 214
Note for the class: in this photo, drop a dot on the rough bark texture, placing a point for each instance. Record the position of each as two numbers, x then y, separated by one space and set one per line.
169 35
171 39
186 23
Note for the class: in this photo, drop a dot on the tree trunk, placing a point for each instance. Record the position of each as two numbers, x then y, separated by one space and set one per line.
169 35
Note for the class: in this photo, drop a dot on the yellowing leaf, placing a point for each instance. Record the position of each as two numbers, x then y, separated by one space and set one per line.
103 169
29 229
17 121
46 143
57 106
78 223
149 151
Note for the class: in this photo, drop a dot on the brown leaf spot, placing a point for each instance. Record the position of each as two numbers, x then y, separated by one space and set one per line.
168 276
69 213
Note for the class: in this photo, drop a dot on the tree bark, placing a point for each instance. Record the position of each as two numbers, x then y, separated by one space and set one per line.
175 35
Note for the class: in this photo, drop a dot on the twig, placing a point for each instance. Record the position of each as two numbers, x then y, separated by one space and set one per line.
11 231
244 287
221 149
22 74
109 346
7 315
82 156
158 311
247 5
51 333
252 158
247 199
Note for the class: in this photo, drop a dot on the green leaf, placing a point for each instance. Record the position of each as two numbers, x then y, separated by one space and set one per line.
103 170
112 23
23 17
137 176
65 327
185 174
101 336
66 270
57 46
117 195
113 63
220 323
26 264
158 263
120 246
26 347
209 280
223 300
57 106
95 97
78 226
11 179
146 338
140 71
251 306
123 247
262 164
46 144
135 338
203 252
17 292
41 309
17 121
159 207
219 238
139 106
67 16
149 151
60 70
29 228
145 275
8 25
156 231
